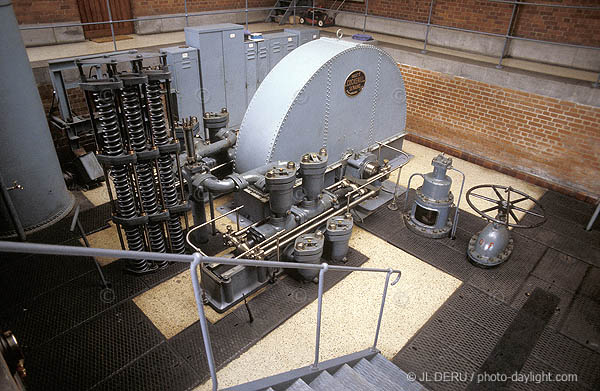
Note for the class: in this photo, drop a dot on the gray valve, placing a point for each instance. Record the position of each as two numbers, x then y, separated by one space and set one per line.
280 185
308 248
338 233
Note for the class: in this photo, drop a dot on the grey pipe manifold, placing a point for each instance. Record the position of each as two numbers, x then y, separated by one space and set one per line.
28 161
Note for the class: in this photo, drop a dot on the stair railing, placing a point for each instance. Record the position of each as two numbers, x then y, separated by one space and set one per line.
198 259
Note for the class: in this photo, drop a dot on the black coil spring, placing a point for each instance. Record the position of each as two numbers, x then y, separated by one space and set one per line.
135 127
165 164
113 146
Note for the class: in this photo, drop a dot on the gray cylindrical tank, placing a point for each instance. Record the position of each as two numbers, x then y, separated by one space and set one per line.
436 184
338 233
280 184
27 154
312 168
308 248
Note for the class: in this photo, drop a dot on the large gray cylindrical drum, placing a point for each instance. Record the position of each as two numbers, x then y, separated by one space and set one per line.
27 154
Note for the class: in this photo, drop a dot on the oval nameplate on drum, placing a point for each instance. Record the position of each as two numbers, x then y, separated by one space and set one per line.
355 82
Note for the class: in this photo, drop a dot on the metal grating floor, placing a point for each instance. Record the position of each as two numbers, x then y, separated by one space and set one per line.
559 257
234 334
73 340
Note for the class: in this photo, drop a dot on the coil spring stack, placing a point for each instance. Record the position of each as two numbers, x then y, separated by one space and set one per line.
133 124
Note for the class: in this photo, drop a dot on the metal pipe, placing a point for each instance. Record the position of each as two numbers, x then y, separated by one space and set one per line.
313 14
215 219
246 15
366 15
428 27
314 225
507 39
462 185
143 18
219 12
470 31
197 260
54 249
186 12
593 219
12 211
383 297
319 309
394 204
547 5
211 207
408 188
112 29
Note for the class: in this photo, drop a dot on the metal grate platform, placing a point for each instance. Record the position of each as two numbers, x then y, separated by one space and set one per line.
160 369
560 258
92 351
234 334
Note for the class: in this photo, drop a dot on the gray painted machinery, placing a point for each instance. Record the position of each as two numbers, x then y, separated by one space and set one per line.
320 138
314 151
430 213
133 127
493 245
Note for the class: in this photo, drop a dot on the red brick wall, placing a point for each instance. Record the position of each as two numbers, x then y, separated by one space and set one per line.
158 7
547 137
544 23
45 11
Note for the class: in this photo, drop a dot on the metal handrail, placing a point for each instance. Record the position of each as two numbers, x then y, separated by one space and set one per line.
196 260
365 14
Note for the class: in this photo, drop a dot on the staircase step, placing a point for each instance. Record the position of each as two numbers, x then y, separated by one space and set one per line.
397 375
326 382
299 385
352 381
375 376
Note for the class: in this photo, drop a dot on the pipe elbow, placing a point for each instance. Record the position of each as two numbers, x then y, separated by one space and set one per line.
215 185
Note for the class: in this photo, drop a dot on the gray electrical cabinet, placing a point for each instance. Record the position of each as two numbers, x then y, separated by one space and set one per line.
262 61
279 46
222 67
185 82
251 51
305 34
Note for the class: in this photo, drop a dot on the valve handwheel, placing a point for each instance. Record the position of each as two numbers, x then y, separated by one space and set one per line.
506 205
493 245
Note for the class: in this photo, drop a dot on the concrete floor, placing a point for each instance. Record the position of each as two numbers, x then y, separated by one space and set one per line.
350 309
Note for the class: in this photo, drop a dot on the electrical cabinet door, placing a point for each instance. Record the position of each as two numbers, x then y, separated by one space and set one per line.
305 34
262 61
235 75
212 70
275 51
185 82
251 70
291 43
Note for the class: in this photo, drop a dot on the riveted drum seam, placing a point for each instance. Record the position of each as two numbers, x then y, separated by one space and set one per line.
374 103
285 117
281 123
327 108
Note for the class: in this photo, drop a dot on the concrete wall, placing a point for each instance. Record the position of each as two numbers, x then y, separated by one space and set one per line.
567 25
176 22
587 59
52 35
